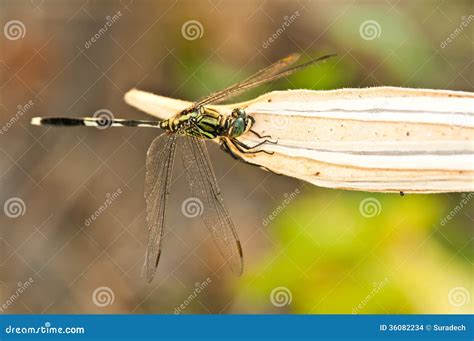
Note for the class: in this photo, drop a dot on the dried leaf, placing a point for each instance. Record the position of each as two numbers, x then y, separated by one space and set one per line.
375 139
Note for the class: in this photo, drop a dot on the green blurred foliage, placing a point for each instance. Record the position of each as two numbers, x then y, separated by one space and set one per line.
398 32
334 259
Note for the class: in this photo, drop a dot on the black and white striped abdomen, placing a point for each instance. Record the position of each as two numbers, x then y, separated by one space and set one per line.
99 122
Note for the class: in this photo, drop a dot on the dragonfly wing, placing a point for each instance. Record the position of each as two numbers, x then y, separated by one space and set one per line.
274 68
263 73
253 82
203 184
159 166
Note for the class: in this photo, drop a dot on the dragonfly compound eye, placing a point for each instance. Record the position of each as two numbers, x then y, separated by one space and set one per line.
239 112
237 128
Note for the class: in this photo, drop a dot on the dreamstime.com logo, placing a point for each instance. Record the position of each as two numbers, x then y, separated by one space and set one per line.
14 30
14 207
466 198
192 30
103 296
288 20
465 21
20 290
377 287
191 297
22 109
281 296
288 199
370 30
459 296
280 122
47 328
109 199
105 118
192 207
370 207
110 20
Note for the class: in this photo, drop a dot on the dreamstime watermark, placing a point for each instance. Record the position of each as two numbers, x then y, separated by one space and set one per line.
105 118
22 109
288 199
288 20
109 199
377 287
370 207
459 296
281 296
199 288
110 20
192 207
370 30
14 207
103 296
14 30
465 21
280 122
464 201
192 30
21 288
47 328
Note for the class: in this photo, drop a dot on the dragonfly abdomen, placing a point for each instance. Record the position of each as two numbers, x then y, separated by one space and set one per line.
99 121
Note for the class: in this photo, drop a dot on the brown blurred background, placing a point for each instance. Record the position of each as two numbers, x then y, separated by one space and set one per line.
319 255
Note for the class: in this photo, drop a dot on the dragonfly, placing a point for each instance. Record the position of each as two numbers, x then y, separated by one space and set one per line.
186 131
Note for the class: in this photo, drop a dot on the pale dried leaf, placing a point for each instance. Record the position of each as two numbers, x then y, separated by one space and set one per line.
375 139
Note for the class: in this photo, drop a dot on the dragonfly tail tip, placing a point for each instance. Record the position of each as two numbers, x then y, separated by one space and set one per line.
36 121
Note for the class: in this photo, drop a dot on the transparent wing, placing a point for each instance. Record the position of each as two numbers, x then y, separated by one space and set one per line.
262 74
274 68
258 79
204 186
159 166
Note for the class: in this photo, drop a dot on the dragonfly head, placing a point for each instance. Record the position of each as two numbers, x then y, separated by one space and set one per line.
240 123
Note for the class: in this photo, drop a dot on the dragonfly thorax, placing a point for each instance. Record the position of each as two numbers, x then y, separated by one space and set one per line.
208 123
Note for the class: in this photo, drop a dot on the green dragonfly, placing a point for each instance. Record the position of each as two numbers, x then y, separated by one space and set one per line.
187 130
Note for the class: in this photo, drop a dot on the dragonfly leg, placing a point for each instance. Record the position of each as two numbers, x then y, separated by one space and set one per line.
259 144
224 144
225 147
246 149
243 150
258 135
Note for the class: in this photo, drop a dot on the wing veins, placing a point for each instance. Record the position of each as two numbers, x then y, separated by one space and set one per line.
262 73
215 216
157 182
253 82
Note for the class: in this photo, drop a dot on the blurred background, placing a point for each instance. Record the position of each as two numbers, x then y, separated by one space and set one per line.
322 251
